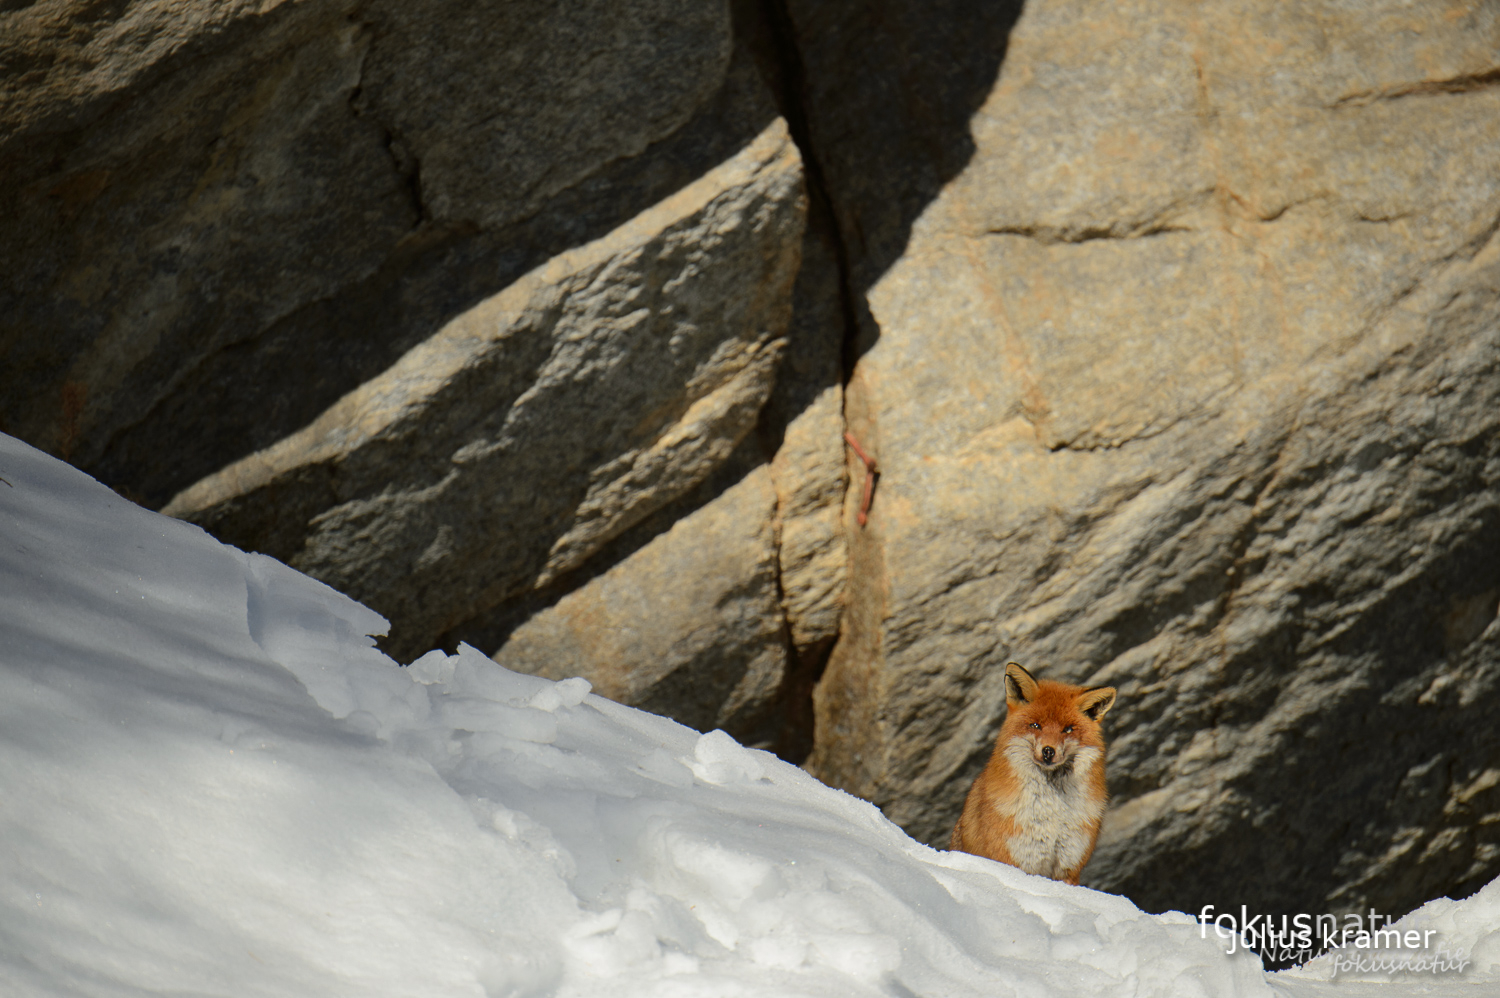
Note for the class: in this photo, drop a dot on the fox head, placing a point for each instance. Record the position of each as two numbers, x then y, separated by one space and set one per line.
1054 720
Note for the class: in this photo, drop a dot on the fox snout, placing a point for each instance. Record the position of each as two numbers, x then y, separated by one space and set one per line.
1048 753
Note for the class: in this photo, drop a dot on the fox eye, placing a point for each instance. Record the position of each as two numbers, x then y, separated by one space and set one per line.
1038 727
1068 730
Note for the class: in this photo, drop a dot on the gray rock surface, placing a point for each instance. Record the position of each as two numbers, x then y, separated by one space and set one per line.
534 428
227 215
508 105
1186 383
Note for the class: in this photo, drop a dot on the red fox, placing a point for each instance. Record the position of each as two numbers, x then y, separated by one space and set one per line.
1038 803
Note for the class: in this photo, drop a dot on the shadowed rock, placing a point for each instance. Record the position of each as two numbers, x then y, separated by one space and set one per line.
544 422
225 216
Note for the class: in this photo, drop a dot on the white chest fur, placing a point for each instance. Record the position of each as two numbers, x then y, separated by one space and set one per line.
1053 813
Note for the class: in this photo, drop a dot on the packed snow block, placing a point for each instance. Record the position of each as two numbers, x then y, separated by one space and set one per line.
1463 934
211 784
505 450
1184 382
181 816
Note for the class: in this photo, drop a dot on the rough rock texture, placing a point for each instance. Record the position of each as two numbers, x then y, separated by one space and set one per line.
1186 383
205 204
719 610
544 422
668 630
807 467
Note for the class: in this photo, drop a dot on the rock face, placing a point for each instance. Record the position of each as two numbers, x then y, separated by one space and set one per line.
668 630
196 191
1187 384
1174 328
544 422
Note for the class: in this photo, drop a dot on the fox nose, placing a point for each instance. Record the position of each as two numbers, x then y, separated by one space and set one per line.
1048 754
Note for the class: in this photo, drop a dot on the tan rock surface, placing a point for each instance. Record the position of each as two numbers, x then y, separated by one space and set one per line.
1187 384
696 638
808 466
810 480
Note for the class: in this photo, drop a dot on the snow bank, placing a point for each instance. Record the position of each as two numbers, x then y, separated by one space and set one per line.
1463 952
211 783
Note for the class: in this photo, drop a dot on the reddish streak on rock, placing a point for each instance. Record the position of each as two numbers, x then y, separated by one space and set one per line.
868 494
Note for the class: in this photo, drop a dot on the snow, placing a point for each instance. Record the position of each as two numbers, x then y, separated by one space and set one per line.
212 783
1465 932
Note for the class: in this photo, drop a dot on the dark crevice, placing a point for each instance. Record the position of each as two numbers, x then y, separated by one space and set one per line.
405 163
787 78
1051 235
1466 83
878 98
804 668
766 27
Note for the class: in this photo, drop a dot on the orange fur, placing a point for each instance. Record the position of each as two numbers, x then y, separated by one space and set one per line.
1033 809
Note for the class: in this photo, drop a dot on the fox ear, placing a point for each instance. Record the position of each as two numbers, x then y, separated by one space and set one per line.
1096 702
1020 688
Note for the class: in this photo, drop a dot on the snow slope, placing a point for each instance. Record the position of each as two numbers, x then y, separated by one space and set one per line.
211 783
